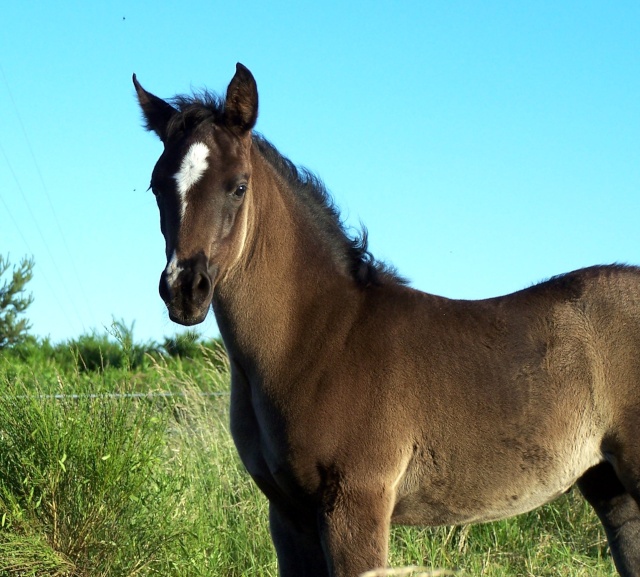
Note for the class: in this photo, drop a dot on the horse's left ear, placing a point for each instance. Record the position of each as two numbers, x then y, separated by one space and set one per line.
241 104
157 113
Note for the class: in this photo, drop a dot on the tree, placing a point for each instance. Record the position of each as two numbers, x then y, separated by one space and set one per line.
14 301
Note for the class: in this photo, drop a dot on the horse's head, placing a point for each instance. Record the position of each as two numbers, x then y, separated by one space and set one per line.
202 183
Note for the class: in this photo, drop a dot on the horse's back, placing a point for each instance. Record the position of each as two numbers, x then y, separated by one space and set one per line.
581 326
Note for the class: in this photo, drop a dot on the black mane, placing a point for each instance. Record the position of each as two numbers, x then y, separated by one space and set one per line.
363 267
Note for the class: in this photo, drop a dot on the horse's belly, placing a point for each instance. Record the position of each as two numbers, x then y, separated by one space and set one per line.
491 490
416 511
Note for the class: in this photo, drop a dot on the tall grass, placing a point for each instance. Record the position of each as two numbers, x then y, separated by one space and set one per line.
104 485
82 476
93 483
224 510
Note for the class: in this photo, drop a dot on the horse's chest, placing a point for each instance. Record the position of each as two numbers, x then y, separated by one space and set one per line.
259 436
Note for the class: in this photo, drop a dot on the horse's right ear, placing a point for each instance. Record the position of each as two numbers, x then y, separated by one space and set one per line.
241 103
157 113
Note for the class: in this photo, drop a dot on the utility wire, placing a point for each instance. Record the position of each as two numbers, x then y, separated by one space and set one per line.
30 250
46 191
15 223
44 242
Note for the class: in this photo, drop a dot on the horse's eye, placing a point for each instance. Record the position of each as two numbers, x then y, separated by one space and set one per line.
239 191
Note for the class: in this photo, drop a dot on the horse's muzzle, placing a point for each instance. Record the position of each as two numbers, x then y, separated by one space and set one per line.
187 289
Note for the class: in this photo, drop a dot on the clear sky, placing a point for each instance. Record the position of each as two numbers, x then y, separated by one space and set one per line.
485 145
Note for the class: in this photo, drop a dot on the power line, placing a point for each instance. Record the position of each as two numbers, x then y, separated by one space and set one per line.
46 191
15 223
41 271
44 242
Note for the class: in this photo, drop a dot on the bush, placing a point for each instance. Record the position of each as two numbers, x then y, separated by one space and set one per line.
13 301
82 485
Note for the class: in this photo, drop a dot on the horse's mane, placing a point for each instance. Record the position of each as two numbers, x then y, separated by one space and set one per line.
364 268
352 249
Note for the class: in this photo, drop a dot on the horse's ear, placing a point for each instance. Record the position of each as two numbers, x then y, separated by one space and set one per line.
241 104
156 111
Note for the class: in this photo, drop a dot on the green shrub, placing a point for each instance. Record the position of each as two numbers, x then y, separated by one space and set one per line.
82 474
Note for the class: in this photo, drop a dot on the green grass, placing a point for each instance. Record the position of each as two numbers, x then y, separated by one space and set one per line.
112 486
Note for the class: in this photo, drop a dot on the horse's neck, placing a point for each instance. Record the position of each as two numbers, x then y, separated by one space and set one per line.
286 294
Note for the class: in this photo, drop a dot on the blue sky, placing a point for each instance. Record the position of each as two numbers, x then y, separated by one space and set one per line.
485 145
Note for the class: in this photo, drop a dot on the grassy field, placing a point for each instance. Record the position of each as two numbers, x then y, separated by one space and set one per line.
97 484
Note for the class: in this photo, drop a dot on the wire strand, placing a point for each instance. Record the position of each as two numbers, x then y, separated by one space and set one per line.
48 196
44 242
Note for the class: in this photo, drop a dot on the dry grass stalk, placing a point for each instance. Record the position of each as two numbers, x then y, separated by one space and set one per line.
401 571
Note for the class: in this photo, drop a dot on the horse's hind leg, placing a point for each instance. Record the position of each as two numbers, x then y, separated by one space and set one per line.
619 512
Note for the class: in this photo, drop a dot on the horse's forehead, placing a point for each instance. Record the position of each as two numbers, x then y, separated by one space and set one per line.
189 161
212 147
193 165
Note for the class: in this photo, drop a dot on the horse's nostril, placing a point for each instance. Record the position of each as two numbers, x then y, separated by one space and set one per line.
201 284
186 286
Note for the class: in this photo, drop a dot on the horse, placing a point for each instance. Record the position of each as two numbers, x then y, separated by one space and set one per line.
358 401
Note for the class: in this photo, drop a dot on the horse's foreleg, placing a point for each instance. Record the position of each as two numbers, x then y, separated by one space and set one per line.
355 530
298 546
619 513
